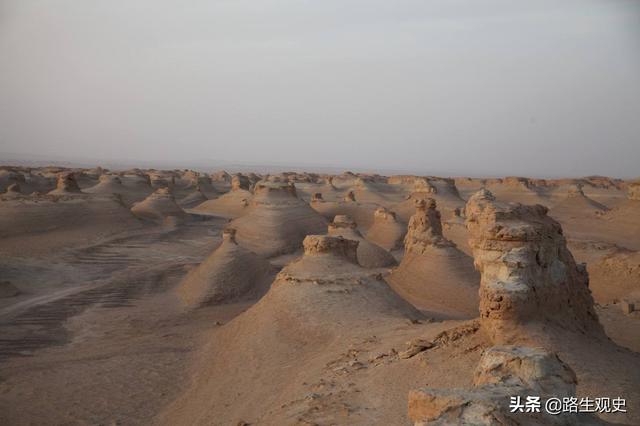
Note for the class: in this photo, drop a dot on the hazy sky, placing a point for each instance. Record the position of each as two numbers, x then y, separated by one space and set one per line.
434 86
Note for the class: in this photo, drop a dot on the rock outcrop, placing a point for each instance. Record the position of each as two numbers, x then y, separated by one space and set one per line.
240 182
503 373
369 255
530 281
66 185
194 198
229 273
433 274
633 191
386 231
231 205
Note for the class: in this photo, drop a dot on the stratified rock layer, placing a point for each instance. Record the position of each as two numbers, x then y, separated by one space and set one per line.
369 255
529 277
504 372
158 206
277 220
66 185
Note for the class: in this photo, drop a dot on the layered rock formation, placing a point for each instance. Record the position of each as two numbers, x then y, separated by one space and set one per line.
107 184
229 273
158 206
503 373
633 191
66 185
576 204
369 255
361 213
386 231
530 282
231 205
434 274
277 220
194 198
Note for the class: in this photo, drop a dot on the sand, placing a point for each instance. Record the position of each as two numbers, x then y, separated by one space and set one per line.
121 301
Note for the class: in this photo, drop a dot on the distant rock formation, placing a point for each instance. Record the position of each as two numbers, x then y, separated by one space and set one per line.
503 373
386 231
240 182
66 185
530 280
433 273
13 190
425 228
107 184
423 185
576 204
633 191
229 273
221 176
194 198
158 206
369 255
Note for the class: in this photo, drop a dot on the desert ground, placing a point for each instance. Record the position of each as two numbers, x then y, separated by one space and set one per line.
176 297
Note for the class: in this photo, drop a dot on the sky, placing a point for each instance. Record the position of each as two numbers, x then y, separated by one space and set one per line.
541 88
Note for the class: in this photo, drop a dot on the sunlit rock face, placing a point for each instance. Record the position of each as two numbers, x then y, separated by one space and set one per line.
529 280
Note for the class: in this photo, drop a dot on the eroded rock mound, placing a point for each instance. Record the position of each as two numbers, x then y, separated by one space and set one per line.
277 220
229 273
194 198
433 273
158 206
310 305
633 191
386 231
66 185
369 255
529 280
503 373
231 205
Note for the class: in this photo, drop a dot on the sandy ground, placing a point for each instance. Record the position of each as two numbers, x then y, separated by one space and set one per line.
97 335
